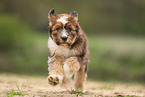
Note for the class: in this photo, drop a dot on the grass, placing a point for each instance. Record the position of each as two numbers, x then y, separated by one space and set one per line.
15 93
77 92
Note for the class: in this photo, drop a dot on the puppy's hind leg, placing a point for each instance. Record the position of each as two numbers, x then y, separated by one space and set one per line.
80 78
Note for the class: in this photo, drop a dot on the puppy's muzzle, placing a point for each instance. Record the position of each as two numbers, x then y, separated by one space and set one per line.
64 38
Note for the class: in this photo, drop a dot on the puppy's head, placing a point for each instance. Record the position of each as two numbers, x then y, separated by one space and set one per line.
63 28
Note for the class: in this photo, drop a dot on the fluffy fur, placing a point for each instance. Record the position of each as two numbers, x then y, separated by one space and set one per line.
68 50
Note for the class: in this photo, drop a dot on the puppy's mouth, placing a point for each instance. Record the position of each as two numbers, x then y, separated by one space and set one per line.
63 44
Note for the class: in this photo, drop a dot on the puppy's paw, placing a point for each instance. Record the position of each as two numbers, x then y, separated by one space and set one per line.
55 79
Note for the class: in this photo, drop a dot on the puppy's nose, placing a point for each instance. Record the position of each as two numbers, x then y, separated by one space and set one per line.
64 38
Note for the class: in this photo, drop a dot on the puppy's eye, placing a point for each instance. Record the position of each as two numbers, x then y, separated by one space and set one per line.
68 29
57 29
54 34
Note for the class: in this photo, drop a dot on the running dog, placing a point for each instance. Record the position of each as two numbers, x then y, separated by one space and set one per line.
68 50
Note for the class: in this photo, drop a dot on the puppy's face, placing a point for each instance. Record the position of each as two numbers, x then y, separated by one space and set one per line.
63 28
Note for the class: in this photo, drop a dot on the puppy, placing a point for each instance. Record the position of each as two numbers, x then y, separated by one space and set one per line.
68 50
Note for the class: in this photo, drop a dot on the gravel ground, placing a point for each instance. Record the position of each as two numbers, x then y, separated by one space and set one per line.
29 86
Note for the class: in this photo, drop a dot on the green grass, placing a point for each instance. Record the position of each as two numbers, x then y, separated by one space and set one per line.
15 93
77 92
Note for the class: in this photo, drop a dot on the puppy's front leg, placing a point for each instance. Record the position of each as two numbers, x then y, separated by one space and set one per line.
55 70
71 65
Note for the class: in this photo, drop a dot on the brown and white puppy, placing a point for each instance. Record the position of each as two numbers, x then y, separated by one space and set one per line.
68 50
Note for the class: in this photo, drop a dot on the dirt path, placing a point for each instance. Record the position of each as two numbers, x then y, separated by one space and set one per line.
38 87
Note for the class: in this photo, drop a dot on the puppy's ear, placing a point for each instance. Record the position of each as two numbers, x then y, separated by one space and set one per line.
51 13
51 16
75 15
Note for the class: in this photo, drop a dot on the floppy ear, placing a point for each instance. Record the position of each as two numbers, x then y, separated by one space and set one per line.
75 15
51 16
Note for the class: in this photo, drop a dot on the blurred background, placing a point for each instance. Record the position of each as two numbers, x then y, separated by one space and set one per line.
115 28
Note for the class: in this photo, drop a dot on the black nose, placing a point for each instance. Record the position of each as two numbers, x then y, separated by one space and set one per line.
64 38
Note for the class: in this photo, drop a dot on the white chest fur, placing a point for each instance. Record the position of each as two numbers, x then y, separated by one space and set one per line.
54 48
